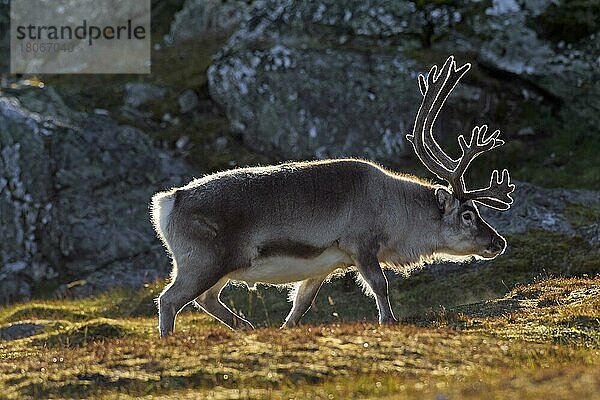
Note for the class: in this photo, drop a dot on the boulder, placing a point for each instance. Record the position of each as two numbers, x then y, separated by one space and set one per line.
305 104
19 330
74 195
541 208
338 78
207 17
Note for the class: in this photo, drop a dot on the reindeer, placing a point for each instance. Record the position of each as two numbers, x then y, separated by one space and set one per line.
299 222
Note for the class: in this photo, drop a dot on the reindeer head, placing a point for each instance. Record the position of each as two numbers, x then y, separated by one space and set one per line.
464 232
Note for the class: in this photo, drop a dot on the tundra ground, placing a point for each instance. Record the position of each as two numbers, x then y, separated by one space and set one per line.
540 339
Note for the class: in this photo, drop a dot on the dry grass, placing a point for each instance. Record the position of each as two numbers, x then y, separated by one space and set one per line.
538 340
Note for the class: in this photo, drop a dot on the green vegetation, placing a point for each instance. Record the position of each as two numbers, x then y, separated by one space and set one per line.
538 340
579 215
569 20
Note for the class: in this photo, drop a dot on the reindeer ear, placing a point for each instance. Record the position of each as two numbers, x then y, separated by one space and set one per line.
445 200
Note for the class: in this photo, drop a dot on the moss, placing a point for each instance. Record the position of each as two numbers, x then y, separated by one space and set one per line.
580 215
558 310
569 20
82 333
163 13
127 303
45 312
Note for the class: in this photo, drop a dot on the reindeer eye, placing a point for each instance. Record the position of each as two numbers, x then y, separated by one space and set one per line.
468 216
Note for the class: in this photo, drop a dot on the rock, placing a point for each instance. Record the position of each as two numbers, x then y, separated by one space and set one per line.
207 17
591 234
19 330
74 194
290 102
296 76
137 94
569 75
338 78
541 208
188 101
526 131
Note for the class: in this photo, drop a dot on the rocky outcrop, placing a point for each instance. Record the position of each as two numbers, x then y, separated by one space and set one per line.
303 104
207 17
547 209
333 78
74 194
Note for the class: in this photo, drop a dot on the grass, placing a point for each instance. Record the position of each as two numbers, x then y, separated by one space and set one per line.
526 325
540 339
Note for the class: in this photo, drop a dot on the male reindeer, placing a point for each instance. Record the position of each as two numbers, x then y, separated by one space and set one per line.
299 222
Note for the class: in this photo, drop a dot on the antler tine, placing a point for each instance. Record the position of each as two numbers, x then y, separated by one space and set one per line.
430 88
454 75
497 194
436 88
477 145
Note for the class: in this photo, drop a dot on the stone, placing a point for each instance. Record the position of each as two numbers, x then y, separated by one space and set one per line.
338 78
137 94
291 103
188 101
74 195
541 208
207 17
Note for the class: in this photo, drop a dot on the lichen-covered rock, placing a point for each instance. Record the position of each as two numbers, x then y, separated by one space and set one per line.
137 94
362 57
207 17
74 193
188 101
303 104
541 208
327 79
567 72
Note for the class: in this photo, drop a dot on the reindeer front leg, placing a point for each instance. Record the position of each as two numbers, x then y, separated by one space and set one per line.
370 270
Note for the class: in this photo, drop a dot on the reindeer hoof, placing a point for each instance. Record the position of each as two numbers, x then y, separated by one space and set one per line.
388 321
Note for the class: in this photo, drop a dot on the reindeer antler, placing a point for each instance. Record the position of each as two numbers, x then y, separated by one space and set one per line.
435 90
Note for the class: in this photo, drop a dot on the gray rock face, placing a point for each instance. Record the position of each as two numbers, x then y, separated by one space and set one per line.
207 17
297 70
289 83
540 208
137 94
285 102
74 193
569 73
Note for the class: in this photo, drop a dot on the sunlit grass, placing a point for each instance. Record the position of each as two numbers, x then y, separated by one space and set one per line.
526 344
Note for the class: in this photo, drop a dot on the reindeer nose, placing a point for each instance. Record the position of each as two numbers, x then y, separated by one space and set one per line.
497 244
